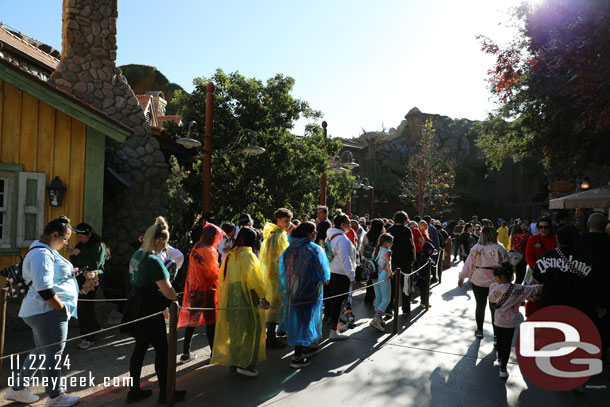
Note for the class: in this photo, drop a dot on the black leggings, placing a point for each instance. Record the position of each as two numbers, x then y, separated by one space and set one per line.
339 284
86 315
480 296
505 342
158 338
520 272
188 337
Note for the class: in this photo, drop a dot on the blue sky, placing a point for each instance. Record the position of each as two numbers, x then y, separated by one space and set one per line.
362 63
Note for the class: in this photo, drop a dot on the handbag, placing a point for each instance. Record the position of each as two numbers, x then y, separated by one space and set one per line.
514 257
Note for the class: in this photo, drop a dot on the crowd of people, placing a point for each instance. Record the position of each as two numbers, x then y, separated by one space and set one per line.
255 290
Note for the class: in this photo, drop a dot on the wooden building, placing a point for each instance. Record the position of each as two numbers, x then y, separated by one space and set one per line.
47 133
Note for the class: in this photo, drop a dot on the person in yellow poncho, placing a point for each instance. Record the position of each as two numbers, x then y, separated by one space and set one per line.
503 234
275 241
239 338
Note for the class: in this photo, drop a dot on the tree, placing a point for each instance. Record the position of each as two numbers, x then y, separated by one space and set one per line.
553 88
286 175
436 171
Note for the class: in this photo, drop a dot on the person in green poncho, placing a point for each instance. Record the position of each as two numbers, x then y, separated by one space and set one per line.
89 252
275 241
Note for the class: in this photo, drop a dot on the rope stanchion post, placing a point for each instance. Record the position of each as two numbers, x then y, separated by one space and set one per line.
441 260
3 295
397 277
426 301
171 356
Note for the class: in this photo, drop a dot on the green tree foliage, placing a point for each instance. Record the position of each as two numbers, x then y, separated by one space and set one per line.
437 171
553 88
286 175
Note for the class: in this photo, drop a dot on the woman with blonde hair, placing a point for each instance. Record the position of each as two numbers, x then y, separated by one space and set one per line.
151 292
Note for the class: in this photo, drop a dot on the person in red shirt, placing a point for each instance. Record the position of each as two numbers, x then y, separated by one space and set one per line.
518 242
418 239
540 243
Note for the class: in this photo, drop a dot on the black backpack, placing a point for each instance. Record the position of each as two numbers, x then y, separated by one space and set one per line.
368 250
17 286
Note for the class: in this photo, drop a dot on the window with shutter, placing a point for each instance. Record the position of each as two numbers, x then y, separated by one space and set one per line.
7 193
31 206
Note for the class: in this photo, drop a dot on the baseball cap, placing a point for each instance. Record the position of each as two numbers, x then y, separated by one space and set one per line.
82 228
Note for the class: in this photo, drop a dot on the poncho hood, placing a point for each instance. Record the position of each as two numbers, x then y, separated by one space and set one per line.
298 241
270 228
219 233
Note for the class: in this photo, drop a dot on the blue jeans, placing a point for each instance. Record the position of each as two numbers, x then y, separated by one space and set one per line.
383 291
50 327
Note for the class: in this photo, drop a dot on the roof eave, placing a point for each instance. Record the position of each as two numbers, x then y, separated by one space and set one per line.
64 102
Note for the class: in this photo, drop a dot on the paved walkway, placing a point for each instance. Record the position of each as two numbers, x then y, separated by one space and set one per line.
434 361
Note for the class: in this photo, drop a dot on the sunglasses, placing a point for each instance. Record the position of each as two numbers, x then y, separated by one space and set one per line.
543 227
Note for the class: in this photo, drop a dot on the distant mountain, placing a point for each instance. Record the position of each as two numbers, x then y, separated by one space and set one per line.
144 78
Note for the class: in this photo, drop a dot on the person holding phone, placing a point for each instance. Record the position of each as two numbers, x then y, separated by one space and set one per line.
47 307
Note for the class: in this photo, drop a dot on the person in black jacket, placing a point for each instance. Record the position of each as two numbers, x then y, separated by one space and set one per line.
567 274
90 252
403 257
597 245
322 223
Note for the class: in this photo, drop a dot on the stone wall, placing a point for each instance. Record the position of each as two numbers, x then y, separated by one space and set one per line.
88 70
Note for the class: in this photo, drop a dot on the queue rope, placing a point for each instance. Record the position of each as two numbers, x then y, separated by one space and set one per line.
83 336
291 305
191 309
416 271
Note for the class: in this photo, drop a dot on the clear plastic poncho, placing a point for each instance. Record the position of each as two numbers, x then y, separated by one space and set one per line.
201 283
239 339
303 269
275 241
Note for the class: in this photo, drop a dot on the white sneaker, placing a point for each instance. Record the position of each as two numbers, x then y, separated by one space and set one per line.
63 400
247 372
84 344
503 374
341 327
377 324
22 396
336 336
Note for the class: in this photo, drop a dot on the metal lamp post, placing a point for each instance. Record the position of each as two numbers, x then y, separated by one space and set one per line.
208 146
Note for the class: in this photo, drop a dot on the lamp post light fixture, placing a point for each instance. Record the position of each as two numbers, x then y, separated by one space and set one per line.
208 145
56 189
188 141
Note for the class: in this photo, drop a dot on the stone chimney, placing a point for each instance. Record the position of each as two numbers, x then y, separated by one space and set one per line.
88 71
88 62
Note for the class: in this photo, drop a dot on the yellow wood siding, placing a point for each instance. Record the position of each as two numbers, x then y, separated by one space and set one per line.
46 140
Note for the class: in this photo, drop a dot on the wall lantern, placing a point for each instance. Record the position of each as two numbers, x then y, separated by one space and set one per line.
56 189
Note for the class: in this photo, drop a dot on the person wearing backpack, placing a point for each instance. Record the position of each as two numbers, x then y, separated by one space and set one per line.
342 271
366 251
403 252
89 252
47 308
383 268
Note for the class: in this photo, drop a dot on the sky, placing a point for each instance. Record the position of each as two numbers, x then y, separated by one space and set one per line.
364 64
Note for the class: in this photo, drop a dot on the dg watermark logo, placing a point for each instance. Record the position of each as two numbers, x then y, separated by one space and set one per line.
559 348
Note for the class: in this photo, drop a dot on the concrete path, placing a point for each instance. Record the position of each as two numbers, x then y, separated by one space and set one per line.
434 361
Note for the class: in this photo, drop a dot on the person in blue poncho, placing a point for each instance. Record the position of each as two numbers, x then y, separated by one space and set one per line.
303 269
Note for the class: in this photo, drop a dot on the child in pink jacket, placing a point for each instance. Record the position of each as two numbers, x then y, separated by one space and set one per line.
507 297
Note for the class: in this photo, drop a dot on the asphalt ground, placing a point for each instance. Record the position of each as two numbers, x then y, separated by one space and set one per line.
435 360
